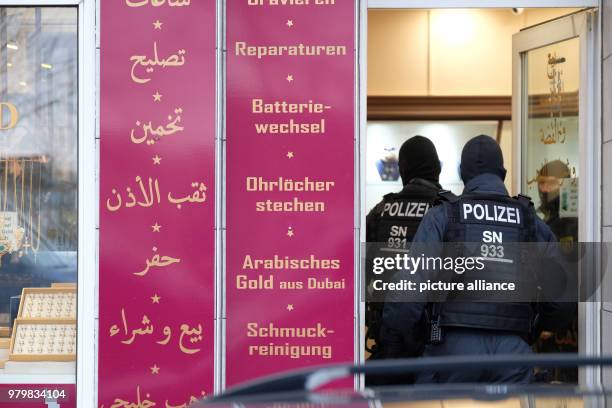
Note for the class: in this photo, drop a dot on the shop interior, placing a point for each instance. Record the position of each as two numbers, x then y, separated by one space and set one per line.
447 74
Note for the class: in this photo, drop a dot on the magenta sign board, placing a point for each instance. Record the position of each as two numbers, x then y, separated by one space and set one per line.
290 185
157 206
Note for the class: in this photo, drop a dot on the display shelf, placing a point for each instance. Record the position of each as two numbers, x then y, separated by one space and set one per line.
48 303
71 285
43 340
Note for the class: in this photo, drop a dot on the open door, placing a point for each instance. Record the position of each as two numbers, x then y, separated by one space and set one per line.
556 139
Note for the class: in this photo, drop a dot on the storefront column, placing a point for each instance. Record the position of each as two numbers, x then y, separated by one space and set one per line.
606 316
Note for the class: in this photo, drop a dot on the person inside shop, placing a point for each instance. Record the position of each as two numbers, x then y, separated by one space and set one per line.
469 327
390 225
550 179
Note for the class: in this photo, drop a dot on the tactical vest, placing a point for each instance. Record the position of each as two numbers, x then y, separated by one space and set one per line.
484 222
397 219
402 213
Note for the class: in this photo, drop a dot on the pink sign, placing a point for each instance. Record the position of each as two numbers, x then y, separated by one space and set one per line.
157 207
290 185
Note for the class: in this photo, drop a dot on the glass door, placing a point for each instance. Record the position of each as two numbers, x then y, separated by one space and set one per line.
555 146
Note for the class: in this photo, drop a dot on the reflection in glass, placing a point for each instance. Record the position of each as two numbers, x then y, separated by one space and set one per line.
550 161
38 158
551 140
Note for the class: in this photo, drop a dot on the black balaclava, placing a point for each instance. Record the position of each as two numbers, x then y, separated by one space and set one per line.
418 158
480 155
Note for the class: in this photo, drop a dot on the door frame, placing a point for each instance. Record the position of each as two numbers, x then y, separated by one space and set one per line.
584 26
589 313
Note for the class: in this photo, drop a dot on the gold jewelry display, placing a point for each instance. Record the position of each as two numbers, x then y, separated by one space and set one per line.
48 303
43 340
17 230
45 328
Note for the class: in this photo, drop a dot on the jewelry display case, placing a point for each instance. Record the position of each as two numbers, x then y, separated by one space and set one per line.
48 303
45 328
43 340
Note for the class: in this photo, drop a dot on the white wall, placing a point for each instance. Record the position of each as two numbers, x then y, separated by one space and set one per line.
446 51
449 139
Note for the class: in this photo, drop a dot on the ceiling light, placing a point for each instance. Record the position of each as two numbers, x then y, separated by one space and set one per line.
12 46
46 66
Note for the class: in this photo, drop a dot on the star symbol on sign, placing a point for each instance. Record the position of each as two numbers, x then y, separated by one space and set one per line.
290 155
289 307
158 25
157 160
289 78
289 23
290 232
156 227
155 299
155 369
157 97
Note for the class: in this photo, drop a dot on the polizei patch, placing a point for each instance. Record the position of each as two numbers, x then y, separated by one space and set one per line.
405 209
489 213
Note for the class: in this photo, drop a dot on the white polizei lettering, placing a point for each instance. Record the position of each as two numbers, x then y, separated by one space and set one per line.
405 209
488 217
511 215
502 214
386 208
423 207
395 207
495 213
401 210
409 210
413 209
467 209
479 211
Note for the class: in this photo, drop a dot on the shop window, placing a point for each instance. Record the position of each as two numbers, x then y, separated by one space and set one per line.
38 190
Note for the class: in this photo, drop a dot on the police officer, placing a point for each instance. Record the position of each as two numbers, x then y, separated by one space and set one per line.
391 225
479 327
